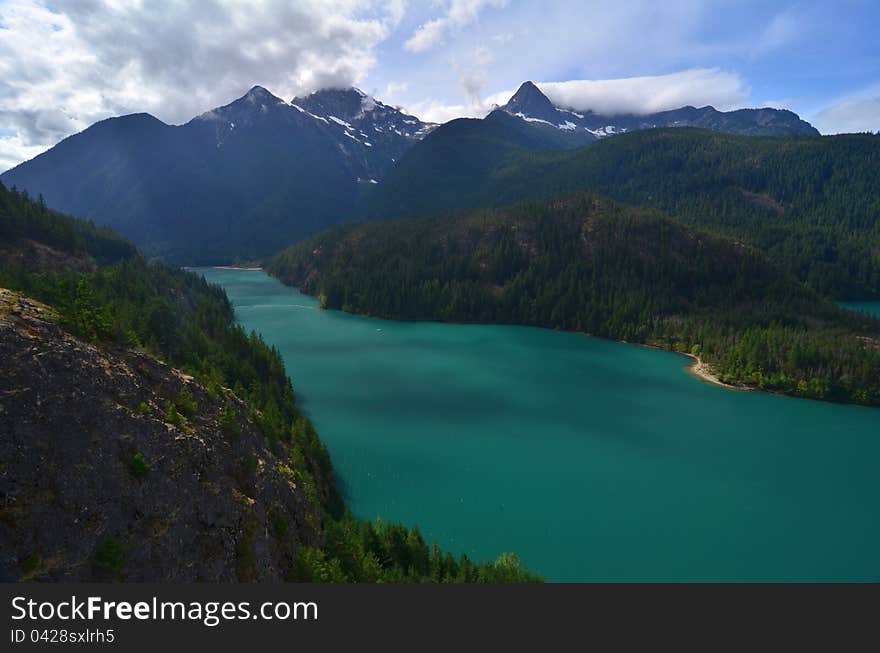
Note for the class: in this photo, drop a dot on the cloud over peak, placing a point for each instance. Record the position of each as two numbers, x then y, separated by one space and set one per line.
65 66
642 95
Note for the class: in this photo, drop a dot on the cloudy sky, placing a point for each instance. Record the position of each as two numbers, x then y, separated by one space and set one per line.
65 64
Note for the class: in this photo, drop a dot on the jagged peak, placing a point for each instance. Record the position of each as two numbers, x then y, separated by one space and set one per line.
257 98
530 101
529 91
349 103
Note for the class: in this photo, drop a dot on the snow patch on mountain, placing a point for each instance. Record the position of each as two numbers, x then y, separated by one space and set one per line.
299 108
339 121
531 119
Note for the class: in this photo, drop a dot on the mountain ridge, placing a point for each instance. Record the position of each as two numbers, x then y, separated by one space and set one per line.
529 103
227 184
238 180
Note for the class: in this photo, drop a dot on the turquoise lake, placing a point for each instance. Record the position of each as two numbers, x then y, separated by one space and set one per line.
593 460
872 308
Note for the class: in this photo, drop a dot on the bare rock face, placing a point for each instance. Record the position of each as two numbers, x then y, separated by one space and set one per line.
95 484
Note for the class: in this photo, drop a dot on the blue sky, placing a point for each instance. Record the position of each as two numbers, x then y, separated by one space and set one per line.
806 56
67 63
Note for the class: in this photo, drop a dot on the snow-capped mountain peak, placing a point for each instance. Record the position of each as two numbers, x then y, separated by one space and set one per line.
362 112
530 102
371 133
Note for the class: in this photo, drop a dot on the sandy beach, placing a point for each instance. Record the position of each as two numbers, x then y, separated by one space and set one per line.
236 267
702 371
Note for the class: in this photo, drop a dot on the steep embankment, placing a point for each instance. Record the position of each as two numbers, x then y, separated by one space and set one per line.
587 264
103 477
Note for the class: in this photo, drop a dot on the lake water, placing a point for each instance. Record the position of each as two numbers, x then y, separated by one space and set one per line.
872 308
592 460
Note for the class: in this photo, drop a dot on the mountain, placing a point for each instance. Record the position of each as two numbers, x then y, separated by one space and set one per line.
587 264
161 441
454 167
373 134
443 171
809 202
235 181
532 106
229 184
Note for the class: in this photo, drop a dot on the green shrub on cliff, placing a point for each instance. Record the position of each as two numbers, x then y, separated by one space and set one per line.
138 466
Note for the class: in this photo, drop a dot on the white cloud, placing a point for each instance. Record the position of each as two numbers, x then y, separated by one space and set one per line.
459 13
65 67
393 89
440 112
472 78
13 150
396 10
426 36
782 30
849 116
640 95
471 70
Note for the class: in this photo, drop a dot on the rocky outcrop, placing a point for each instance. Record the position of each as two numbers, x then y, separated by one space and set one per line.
102 478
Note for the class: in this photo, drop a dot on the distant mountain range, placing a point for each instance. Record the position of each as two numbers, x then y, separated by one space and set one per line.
532 106
236 182
242 180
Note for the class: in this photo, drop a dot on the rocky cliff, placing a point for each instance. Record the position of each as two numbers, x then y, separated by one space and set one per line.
115 466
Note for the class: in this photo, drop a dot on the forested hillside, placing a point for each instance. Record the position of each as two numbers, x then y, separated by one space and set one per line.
587 264
128 307
24 219
811 204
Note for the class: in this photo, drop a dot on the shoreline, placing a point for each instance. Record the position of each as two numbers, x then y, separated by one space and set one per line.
698 369
701 370
241 268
